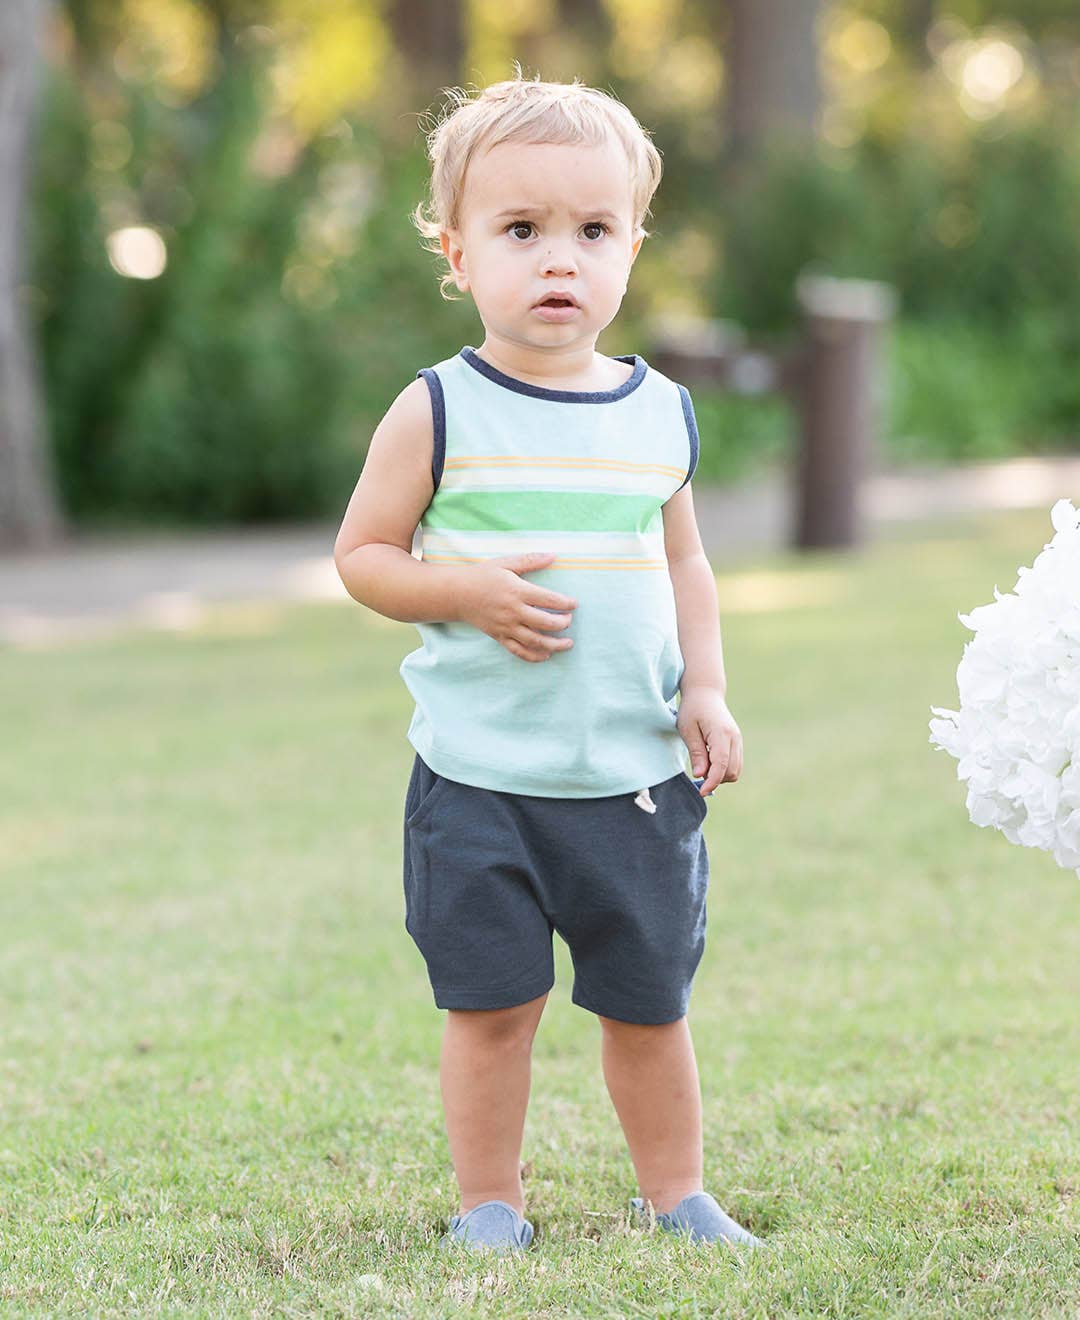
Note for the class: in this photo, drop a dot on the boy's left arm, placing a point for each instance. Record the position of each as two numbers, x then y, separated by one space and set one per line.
707 726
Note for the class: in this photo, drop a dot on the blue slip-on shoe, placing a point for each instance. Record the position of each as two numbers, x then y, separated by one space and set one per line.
491 1224
699 1216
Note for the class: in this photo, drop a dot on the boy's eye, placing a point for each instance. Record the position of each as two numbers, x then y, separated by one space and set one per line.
527 224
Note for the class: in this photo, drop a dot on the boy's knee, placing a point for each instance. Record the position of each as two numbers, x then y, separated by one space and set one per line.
513 1025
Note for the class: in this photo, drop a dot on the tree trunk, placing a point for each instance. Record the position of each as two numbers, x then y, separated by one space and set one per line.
774 86
430 42
916 19
29 515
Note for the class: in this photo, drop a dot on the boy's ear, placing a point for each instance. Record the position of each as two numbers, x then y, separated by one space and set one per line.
636 247
454 252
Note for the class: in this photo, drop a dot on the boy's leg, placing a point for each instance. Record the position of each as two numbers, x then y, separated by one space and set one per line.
651 1075
485 1073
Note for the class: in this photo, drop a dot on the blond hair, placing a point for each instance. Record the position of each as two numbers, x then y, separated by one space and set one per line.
525 110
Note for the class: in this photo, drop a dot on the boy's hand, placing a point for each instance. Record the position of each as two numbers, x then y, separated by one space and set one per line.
709 730
515 612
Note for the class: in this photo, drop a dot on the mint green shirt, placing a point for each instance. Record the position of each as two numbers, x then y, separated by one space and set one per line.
519 467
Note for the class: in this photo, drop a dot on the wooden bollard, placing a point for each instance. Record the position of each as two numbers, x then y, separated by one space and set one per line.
833 376
837 385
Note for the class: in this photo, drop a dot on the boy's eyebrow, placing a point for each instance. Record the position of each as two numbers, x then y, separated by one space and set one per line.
543 210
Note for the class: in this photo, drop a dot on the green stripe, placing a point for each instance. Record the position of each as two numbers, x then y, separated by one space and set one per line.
542 511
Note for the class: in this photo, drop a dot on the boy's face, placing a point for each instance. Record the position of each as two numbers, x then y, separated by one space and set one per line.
539 218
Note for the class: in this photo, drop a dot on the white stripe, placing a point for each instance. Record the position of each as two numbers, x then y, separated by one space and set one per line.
591 481
442 541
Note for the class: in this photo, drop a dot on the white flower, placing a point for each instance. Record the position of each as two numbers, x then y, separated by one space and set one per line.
1016 736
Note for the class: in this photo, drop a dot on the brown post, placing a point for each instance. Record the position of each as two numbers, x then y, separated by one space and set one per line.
837 386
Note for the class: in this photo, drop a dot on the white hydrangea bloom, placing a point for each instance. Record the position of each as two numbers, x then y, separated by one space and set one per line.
1016 736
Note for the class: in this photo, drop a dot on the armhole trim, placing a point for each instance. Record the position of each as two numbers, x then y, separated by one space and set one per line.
438 417
691 431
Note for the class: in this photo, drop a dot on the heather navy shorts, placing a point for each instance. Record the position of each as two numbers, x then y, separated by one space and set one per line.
490 875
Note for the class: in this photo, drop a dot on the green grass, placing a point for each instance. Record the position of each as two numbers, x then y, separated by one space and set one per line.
219 1068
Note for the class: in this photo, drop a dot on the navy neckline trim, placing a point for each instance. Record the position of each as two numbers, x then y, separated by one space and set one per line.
560 396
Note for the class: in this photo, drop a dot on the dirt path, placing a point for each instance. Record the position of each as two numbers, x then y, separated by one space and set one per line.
94 585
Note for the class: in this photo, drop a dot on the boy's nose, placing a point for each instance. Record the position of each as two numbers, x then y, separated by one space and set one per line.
558 262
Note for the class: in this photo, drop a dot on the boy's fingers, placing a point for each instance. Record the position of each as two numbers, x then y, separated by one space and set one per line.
539 643
719 755
546 620
713 779
544 597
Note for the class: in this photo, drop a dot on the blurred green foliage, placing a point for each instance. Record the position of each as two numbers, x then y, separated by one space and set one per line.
980 233
244 382
981 241
191 393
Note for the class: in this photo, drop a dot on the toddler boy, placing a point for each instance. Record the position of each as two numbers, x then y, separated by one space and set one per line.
564 602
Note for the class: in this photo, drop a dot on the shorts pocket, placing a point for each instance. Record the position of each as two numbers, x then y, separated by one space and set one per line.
701 803
424 796
426 790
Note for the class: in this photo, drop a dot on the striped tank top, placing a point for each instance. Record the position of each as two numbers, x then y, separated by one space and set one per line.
519 467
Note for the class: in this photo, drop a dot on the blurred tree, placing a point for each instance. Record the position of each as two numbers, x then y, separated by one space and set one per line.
29 514
591 19
912 19
1036 16
104 373
270 149
430 40
773 82
915 18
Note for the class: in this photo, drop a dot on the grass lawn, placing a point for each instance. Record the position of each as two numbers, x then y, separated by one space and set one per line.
219 1088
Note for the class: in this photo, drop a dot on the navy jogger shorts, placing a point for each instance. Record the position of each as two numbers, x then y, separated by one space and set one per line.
489 876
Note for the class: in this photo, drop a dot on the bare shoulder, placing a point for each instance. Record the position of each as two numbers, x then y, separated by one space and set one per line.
407 426
412 406
396 484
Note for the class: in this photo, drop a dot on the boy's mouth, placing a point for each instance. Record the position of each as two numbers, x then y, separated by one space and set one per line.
558 300
556 309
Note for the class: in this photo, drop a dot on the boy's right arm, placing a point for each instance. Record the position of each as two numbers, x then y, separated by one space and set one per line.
373 549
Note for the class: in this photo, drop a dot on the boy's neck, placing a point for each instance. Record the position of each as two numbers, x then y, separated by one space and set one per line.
579 367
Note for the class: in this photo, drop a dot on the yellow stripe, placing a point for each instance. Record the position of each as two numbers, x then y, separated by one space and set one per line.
615 465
